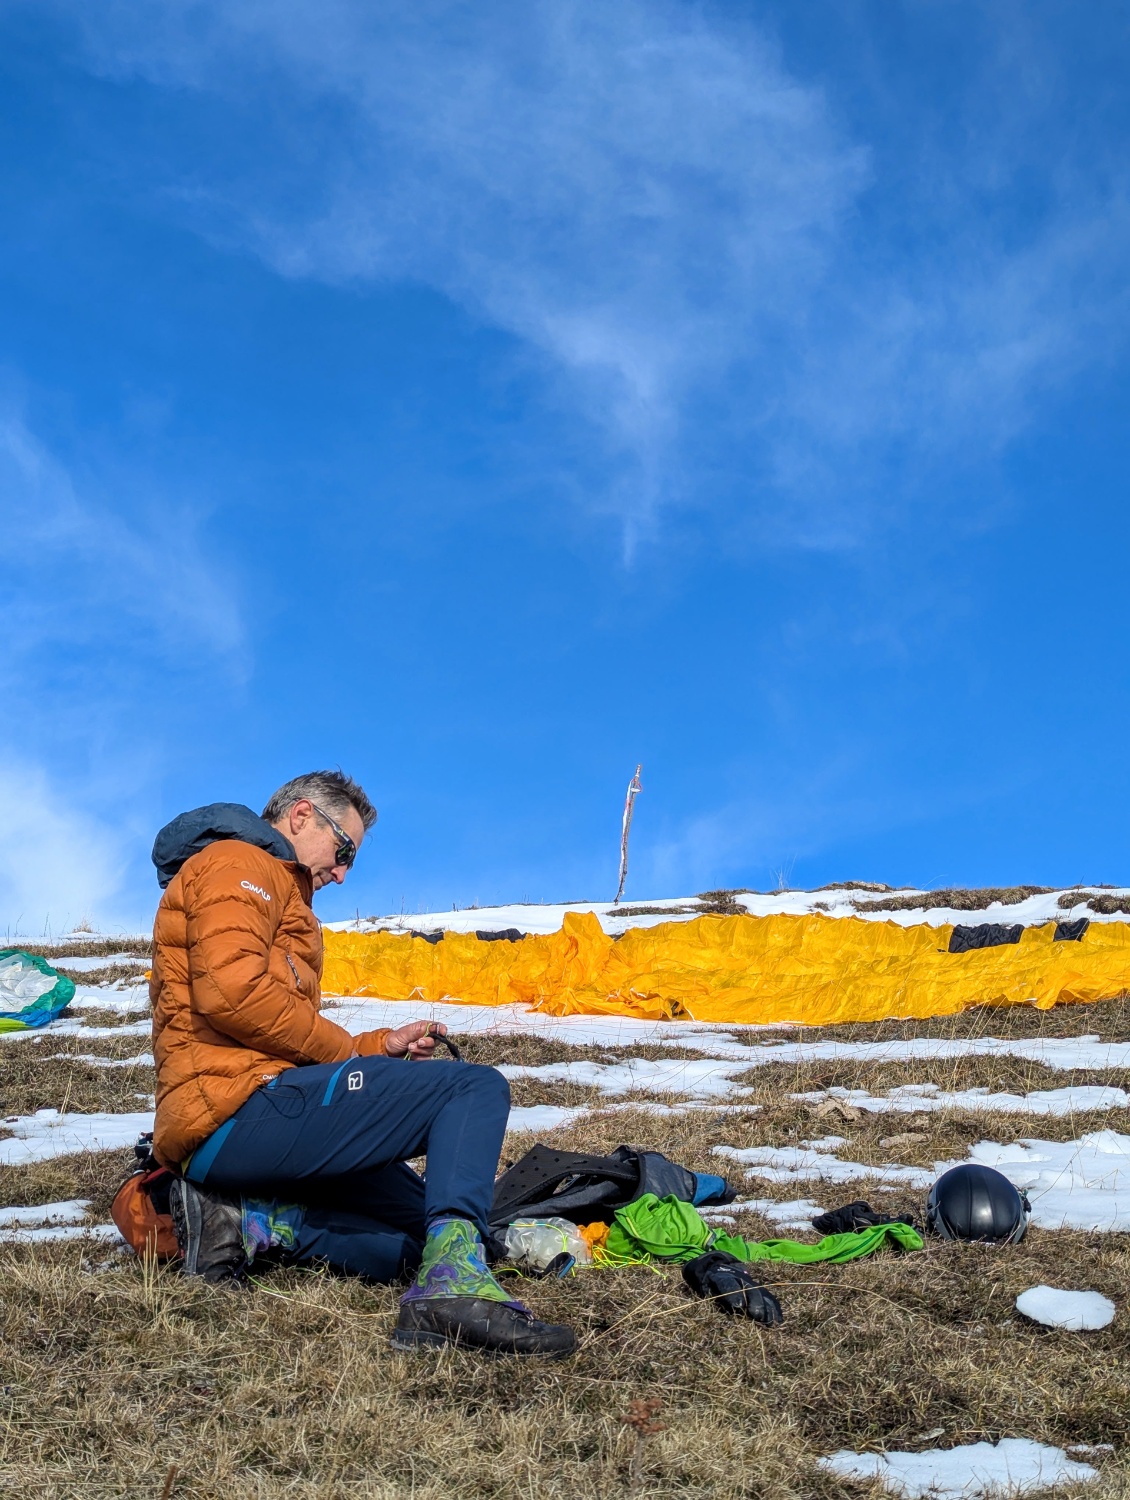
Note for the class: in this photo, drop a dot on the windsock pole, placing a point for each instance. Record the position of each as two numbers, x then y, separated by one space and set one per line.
629 802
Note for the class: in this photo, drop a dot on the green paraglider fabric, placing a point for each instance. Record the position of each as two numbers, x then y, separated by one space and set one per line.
654 1228
833 1248
48 1005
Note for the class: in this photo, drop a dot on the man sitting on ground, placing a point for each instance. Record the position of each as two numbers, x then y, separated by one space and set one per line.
285 1131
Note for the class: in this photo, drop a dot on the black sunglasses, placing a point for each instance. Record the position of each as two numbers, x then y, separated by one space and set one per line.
346 851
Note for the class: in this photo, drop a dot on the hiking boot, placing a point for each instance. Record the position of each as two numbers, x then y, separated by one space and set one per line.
476 1323
209 1232
456 1300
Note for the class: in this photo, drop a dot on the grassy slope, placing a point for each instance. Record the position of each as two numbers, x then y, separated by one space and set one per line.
111 1372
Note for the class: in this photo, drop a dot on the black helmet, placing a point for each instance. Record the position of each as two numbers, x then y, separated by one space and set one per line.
972 1202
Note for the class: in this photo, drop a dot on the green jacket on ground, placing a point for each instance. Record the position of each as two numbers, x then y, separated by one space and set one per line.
654 1228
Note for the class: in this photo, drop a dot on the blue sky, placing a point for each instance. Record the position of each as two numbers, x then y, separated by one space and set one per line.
487 397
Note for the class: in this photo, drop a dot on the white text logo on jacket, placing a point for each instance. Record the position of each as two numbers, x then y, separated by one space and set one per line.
258 889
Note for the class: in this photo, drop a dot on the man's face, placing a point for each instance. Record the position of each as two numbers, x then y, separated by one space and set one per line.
315 842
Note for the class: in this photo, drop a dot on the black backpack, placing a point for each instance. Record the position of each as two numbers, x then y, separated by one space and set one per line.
584 1188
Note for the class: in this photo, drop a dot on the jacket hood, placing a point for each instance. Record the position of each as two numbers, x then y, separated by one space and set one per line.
192 831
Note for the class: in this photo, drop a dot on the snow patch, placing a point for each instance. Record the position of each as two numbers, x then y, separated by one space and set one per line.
797 1214
542 1117
357 1015
51 1221
124 999
59 1232
700 1078
142 1060
76 1028
86 963
47 1133
920 1098
1060 1309
1082 1184
71 1211
816 1161
1062 1054
615 919
1014 1466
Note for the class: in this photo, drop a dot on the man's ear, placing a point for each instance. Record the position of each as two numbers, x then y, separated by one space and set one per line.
299 814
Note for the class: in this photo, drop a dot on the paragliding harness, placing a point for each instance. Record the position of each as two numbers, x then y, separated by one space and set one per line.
141 1205
583 1188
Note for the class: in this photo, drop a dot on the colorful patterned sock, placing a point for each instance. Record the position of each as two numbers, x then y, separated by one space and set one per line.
269 1225
454 1265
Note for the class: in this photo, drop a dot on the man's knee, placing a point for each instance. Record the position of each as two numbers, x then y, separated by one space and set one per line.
487 1082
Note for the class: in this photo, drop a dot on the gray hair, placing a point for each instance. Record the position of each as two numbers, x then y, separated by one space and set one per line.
333 791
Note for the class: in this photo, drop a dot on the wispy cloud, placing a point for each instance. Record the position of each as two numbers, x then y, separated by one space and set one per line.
758 831
83 573
101 616
685 231
637 195
59 865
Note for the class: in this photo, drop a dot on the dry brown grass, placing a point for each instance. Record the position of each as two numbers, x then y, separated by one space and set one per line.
723 903
1107 906
524 1049
93 1016
35 1076
998 1072
710 903
95 1175
111 1375
957 899
111 1371
659 911
1109 1020
859 885
108 974
945 1135
81 948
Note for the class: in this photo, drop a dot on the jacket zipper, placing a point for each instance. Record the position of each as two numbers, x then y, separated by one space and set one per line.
293 970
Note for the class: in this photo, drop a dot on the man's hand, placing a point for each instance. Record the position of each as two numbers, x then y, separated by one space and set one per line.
416 1040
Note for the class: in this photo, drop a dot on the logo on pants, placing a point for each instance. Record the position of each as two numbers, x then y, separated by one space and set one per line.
355 1080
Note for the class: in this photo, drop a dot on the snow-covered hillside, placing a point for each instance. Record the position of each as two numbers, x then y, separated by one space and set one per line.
906 906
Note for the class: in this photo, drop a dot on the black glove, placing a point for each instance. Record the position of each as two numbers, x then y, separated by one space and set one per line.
854 1216
725 1279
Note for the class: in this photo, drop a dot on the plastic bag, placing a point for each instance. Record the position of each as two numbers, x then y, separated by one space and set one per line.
535 1242
31 991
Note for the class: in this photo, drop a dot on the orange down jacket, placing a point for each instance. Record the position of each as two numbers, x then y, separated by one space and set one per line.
237 965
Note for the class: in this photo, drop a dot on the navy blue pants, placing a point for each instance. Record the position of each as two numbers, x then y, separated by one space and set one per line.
335 1138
